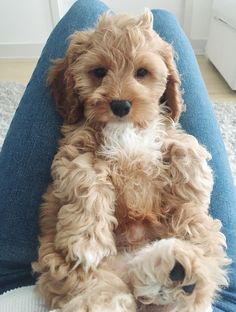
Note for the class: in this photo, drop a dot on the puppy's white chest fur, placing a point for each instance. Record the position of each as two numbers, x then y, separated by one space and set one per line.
124 140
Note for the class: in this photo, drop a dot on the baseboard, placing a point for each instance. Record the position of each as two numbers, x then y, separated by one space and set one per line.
20 50
199 46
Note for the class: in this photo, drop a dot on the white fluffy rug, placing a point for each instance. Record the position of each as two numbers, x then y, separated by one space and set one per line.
10 94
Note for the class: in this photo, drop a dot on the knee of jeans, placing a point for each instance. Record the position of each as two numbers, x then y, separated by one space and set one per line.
164 15
89 6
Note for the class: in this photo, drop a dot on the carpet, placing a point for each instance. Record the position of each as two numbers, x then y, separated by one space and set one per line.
11 93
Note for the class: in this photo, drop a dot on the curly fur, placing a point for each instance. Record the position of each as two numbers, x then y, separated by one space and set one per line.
130 195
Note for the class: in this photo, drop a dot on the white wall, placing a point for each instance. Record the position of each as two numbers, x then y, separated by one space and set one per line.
63 6
201 18
24 27
137 7
26 24
193 15
198 30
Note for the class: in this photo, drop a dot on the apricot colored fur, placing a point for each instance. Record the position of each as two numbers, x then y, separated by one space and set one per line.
130 195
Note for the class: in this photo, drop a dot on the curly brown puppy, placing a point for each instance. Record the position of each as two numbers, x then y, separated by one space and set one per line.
125 223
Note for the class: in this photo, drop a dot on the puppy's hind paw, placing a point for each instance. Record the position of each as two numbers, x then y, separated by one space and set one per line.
177 274
174 273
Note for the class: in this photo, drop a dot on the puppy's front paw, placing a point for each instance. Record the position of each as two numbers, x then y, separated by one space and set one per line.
173 273
90 252
85 241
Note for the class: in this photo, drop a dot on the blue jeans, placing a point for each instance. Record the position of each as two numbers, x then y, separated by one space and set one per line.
31 143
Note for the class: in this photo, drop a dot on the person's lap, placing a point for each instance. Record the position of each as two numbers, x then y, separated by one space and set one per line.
32 142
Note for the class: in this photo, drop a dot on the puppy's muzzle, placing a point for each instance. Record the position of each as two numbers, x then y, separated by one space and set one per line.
120 107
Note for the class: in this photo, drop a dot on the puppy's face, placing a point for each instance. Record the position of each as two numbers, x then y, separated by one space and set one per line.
118 72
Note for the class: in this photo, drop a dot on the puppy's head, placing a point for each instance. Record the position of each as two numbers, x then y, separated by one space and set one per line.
122 71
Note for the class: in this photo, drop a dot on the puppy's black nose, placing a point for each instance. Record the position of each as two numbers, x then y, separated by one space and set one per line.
120 107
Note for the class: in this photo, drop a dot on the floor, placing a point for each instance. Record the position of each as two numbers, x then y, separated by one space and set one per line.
217 87
21 70
17 70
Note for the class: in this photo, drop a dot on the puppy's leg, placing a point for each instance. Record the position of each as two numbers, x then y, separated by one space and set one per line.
76 226
72 290
56 279
185 272
86 219
187 195
174 275
189 177
103 292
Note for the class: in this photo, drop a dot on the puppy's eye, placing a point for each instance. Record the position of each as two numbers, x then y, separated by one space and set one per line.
141 72
100 72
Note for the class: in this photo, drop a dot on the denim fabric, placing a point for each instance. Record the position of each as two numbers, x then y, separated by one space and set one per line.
32 142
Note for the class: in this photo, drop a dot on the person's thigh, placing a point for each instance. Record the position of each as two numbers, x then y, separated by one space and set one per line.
199 120
28 151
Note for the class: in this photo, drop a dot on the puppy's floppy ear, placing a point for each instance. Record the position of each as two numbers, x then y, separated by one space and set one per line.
62 81
146 20
172 95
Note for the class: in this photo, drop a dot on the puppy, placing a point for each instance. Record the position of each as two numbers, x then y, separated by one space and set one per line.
125 223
